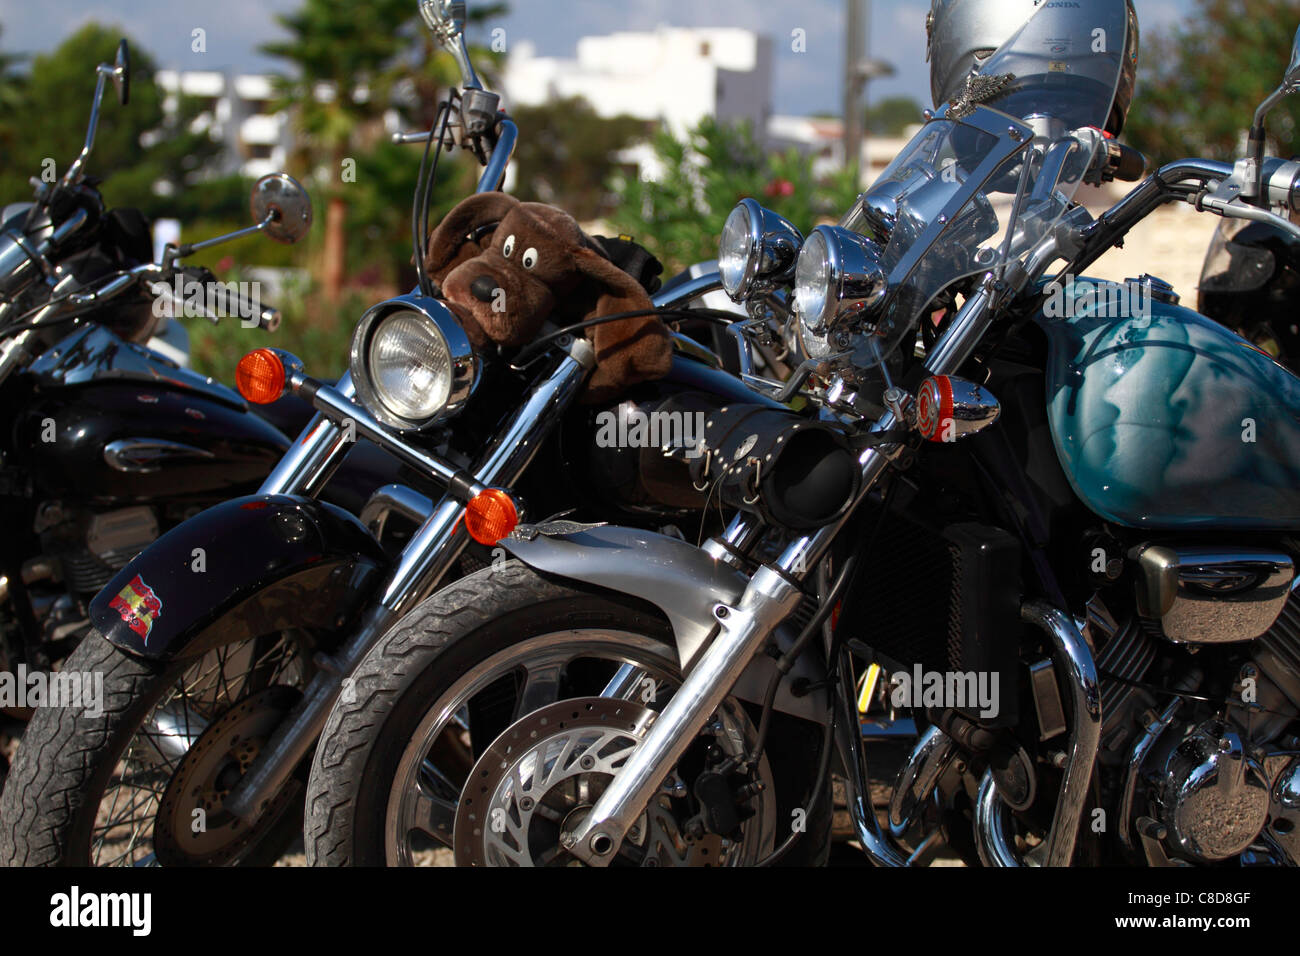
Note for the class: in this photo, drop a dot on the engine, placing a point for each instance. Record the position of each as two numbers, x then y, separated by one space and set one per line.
1214 774
81 550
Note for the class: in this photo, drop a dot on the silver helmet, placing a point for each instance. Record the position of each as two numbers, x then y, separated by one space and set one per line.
963 34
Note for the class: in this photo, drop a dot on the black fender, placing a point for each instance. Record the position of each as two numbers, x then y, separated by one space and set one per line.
242 569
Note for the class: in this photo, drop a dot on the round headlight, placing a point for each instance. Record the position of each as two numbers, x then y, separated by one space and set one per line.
812 282
412 364
737 250
839 276
757 251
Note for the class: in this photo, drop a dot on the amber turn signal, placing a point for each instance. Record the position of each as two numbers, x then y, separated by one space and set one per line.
260 377
490 516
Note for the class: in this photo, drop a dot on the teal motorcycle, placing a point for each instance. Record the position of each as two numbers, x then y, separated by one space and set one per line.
1061 515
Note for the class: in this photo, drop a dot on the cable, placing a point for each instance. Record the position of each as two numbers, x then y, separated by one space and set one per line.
539 346
423 191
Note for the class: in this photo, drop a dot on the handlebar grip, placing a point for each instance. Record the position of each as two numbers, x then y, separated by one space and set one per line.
269 320
231 302
1128 164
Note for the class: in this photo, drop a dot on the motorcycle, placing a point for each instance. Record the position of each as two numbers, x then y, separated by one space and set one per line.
225 642
1250 277
109 442
1068 534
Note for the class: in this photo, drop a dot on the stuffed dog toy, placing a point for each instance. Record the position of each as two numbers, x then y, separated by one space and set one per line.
506 267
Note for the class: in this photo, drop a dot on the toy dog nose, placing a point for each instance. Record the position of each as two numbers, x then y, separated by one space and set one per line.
484 288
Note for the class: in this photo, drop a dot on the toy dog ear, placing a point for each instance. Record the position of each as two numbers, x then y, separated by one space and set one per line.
627 350
451 243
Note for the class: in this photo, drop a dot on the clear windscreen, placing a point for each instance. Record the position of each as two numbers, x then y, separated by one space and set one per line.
974 189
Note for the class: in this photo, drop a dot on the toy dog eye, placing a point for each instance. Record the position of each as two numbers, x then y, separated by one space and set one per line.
530 258
508 247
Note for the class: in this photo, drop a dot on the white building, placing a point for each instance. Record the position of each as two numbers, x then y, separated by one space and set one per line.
237 110
822 138
676 76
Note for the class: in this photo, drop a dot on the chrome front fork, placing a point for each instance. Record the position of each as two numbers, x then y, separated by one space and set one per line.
425 560
741 631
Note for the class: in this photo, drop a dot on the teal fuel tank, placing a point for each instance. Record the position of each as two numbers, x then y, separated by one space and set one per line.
1163 419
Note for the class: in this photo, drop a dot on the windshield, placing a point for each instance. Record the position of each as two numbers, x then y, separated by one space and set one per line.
983 182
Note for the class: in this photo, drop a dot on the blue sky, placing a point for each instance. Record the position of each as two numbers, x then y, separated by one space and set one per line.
806 82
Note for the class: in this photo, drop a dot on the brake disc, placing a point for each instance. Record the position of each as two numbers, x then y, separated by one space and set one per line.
192 826
541 777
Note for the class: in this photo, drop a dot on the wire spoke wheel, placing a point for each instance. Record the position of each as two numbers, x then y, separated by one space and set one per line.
194 742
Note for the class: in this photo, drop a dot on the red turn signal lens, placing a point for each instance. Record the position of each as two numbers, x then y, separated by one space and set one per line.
934 409
260 377
490 516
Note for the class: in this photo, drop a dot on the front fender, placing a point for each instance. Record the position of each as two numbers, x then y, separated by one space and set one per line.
685 583
242 569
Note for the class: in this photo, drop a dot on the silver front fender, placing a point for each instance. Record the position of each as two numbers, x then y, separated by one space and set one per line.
680 580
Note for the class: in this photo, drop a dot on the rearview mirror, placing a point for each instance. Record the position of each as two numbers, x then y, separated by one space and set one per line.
1292 78
446 18
1290 84
122 72
282 207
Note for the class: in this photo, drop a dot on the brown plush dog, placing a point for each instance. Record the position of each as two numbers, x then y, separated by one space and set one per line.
504 282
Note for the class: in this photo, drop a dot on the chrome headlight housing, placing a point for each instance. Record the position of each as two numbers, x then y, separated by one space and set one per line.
757 251
412 364
838 277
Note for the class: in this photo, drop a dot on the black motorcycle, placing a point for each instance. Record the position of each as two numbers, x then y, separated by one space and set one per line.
225 643
107 443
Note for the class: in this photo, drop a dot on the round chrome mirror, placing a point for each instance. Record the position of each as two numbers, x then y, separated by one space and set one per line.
281 202
122 72
446 18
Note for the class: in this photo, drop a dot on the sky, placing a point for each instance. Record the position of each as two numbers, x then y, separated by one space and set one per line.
806 82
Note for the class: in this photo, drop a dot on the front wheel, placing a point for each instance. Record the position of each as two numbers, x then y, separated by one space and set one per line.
483 727
138 777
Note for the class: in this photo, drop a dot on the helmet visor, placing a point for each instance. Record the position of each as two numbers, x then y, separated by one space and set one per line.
1060 71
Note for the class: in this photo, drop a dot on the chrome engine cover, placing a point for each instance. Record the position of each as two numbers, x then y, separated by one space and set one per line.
1284 810
1215 795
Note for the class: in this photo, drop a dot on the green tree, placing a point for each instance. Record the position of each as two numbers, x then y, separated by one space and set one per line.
10 97
344 55
55 100
892 115
680 216
568 154
1199 83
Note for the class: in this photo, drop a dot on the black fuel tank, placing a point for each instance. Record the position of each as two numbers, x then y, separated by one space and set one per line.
104 420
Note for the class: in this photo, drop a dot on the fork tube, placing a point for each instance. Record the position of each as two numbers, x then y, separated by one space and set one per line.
314 457
770 597
423 562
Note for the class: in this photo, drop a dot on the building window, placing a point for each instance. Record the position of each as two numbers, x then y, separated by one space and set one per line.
705 49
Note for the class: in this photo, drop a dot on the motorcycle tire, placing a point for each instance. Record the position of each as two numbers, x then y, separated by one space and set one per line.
67 759
445 639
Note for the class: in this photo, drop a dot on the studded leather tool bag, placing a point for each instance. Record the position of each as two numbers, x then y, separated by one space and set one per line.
793 471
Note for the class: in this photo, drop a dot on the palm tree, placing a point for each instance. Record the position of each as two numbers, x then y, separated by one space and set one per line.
345 54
